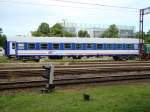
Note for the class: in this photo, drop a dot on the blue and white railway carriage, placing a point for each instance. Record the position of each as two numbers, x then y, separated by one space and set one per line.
73 46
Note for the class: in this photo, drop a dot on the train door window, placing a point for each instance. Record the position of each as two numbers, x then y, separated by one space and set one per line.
13 46
99 46
89 46
56 46
31 45
20 45
109 46
118 46
67 46
78 46
129 46
44 45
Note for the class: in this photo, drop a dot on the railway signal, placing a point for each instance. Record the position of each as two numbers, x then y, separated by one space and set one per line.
49 76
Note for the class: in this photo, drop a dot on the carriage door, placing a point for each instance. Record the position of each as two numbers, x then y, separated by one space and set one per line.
12 48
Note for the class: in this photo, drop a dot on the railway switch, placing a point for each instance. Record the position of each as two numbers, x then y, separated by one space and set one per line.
49 76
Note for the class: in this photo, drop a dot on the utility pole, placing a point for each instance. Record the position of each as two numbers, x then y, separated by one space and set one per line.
64 27
143 12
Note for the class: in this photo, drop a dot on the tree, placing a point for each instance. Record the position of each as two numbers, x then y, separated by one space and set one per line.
137 34
148 33
69 34
1 31
2 38
82 33
57 30
36 33
147 39
111 32
43 30
146 36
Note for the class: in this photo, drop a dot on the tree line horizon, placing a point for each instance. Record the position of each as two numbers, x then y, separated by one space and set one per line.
57 30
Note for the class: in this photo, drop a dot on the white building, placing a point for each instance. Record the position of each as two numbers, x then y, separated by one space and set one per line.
97 30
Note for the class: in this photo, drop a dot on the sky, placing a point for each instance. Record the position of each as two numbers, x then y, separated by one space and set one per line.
19 17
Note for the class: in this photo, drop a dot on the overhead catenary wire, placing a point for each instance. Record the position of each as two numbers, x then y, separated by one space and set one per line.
54 5
102 5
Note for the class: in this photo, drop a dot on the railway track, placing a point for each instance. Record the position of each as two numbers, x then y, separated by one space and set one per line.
69 81
29 76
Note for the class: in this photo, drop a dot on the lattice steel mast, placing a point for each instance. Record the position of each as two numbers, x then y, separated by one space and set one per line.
143 12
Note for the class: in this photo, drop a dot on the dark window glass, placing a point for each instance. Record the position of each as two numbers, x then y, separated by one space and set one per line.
44 46
118 46
109 46
78 46
67 46
89 46
99 46
31 45
56 46
129 46
13 46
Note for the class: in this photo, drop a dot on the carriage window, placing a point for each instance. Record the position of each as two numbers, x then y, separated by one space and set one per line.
129 46
31 46
56 46
99 46
109 46
67 46
44 46
136 46
20 46
118 46
13 46
78 46
89 46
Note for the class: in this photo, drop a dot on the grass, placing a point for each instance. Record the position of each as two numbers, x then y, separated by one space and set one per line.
117 98
77 60
4 59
